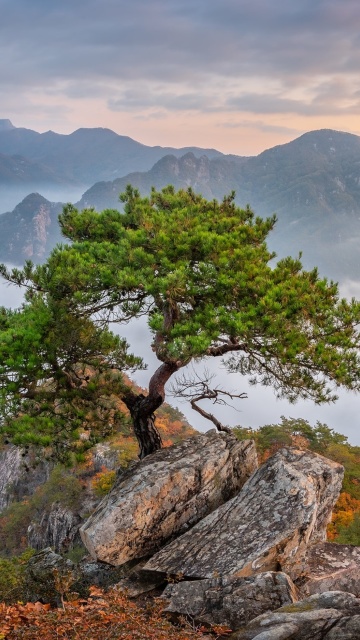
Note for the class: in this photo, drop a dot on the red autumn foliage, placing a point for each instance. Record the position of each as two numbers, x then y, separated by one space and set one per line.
110 616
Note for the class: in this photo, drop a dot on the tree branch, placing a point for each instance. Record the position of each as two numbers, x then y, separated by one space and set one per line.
196 389
227 347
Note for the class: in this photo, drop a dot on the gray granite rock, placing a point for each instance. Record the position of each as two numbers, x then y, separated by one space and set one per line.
331 567
44 573
127 577
21 472
57 529
139 582
282 508
165 494
10 471
229 601
345 629
313 618
306 625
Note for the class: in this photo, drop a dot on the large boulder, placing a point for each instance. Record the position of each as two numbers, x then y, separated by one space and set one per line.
231 602
329 616
48 576
283 507
165 494
331 567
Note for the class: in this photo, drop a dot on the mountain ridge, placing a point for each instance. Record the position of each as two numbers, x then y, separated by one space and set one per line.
312 183
87 154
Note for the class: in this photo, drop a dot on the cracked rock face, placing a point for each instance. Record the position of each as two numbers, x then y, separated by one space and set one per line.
332 567
229 601
165 494
10 470
57 529
19 475
282 508
328 616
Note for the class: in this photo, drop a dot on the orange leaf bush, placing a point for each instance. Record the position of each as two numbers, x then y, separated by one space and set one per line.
109 617
343 514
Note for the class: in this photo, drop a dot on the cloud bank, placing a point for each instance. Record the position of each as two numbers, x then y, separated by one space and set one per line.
194 64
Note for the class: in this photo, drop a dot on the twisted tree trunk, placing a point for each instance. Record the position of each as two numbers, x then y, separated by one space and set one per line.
142 409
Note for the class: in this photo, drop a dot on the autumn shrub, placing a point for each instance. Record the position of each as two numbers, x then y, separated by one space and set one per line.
128 450
350 534
102 482
109 617
343 514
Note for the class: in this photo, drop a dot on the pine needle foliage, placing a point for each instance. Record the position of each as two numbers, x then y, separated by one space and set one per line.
203 275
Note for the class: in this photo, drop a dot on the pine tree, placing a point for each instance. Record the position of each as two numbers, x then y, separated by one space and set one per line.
203 275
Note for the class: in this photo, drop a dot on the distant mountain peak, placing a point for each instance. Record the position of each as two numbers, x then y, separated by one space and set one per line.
33 199
6 124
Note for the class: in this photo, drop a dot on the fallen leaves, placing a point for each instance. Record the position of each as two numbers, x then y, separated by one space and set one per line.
111 616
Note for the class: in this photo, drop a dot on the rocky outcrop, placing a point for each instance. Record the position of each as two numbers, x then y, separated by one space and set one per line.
101 574
239 561
30 230
48 575
137 582
284 506
231 602
20 474
57 529
104 456
10 469
329 616
165 494
331 567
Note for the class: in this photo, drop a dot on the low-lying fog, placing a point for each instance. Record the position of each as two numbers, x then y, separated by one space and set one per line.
10 197
261 407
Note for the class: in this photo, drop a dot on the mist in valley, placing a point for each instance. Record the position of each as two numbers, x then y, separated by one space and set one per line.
11 196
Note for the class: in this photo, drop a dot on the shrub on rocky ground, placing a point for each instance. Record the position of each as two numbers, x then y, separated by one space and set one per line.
12 585
112 617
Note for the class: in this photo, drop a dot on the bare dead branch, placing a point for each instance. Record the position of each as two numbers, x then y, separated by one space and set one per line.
197 388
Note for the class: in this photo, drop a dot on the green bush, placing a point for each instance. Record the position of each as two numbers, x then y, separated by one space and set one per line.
351 533
14 522
12 584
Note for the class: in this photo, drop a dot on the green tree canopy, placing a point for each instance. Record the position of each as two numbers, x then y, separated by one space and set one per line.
202 273
55 377
321 438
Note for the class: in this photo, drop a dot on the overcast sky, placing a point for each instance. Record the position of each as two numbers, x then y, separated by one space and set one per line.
237 75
